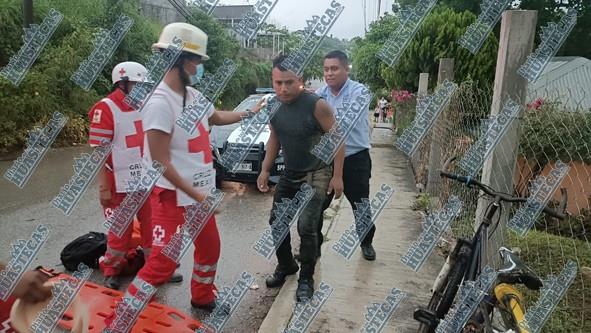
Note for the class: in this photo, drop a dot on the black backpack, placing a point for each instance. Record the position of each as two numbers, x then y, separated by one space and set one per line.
85 249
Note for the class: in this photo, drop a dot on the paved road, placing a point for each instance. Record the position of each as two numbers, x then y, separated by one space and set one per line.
242 220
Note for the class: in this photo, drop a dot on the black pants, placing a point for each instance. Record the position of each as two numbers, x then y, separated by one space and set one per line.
356 175
289 184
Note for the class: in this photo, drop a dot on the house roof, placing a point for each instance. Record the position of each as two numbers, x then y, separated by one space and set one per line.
567 79
231 12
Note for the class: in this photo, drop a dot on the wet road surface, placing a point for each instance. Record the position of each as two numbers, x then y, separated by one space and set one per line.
243 218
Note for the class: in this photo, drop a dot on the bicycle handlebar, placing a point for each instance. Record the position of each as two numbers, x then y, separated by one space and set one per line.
469 181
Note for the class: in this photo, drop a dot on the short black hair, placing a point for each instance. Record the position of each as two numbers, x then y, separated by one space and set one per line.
336 54
278 60
277 63
187 56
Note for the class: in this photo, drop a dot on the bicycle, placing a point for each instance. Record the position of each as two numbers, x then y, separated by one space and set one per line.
464 264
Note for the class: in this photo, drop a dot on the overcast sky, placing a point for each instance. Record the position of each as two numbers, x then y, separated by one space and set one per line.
294 13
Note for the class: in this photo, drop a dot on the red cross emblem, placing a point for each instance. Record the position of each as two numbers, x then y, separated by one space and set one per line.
137 139
122 71
158 233
201 144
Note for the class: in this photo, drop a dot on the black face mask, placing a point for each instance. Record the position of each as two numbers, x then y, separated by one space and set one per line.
126 88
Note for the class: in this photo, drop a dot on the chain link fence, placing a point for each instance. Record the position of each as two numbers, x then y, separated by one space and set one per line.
553 126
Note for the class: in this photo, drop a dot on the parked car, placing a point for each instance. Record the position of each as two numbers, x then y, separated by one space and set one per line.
227 135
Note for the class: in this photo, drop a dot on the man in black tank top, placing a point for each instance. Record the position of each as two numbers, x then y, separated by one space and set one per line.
296 128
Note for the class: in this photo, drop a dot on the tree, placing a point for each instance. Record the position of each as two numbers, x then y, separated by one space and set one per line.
436 38
579 39
457 5
367 67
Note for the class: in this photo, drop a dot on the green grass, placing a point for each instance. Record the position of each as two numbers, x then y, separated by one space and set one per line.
547 254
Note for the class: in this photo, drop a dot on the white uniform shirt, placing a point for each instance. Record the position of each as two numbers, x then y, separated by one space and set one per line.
189 154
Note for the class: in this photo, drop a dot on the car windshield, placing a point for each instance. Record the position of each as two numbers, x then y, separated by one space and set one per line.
248 103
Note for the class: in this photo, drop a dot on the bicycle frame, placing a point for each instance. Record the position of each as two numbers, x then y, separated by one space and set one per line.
479 246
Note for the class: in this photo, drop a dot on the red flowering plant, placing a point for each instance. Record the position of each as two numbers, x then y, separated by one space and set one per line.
401 96
535 104
404 103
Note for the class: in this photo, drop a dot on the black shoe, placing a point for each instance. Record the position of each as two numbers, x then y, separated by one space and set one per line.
224 309
112 282
176 278
278 278
368 252
305 290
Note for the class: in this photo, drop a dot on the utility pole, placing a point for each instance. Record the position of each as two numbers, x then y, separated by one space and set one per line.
379 5
365 15
27 13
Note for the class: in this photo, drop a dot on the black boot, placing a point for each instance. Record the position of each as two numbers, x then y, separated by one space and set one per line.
305 290
368 252
278 278
176 277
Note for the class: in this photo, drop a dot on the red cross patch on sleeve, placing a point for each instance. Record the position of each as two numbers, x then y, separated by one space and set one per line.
96 118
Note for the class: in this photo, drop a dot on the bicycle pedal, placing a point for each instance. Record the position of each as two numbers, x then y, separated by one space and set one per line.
427 317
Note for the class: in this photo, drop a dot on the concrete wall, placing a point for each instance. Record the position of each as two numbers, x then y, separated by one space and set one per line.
161 11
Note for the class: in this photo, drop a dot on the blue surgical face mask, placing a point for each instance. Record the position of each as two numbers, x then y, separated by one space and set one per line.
198 74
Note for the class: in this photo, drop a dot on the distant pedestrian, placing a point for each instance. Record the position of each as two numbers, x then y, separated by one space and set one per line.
376 114
383 103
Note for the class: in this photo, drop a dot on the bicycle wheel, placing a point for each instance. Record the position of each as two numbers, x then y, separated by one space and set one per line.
453 282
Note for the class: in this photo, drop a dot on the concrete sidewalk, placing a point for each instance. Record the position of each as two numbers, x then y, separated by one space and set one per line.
357 282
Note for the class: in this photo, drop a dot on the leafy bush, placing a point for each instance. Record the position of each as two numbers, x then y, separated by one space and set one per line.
47 87
422 202
404 113
550 134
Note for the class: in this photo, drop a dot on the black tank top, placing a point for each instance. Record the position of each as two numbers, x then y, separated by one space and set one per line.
298 132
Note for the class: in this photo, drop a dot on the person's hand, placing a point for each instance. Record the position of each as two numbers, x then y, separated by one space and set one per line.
263 181
257 108
105 196
30 288
336 185
198 196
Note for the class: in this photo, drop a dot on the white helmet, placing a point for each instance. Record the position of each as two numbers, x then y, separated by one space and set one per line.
194 39
129 71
